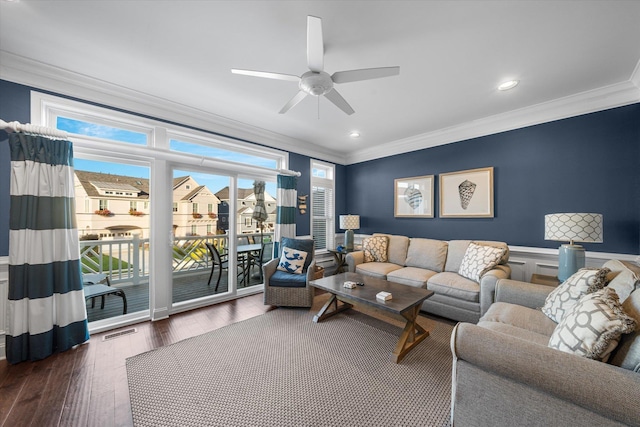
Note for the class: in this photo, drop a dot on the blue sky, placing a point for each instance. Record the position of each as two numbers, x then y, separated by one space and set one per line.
213 182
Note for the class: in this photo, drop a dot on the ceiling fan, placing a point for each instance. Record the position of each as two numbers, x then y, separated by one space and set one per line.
317 82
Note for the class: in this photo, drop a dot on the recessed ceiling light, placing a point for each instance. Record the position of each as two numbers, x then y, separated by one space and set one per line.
508 85
354 134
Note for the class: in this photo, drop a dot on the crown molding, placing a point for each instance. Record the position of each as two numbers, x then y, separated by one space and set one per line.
18 69
616 95
25 71
635 76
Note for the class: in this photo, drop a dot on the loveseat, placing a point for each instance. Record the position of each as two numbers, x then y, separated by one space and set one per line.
435 265
505 373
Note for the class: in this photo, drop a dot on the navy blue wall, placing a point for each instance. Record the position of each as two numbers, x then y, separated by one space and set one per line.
15 104
589 163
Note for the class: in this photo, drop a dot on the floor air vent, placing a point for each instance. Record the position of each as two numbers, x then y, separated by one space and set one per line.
119 334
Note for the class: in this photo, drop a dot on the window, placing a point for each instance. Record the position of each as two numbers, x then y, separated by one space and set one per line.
101 131
322 205
248 222
194 208
210 207
133 206
175 206
103 204
233 154
194 230
209 228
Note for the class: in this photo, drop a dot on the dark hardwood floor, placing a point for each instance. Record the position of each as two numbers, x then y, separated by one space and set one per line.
87 386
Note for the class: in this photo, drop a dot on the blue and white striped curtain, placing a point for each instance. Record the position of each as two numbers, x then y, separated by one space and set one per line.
286 195
46 307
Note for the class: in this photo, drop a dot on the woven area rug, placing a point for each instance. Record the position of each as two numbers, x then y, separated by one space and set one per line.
281 369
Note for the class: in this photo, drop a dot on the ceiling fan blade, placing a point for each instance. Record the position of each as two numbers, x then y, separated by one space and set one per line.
339 101
364 74
293 102
315 44
267 75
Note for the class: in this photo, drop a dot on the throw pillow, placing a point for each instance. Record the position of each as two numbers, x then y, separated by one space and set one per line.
375 249
593 326
568 293
292 260
478 259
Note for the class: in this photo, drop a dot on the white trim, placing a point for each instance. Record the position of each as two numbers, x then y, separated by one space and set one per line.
603 98
18 69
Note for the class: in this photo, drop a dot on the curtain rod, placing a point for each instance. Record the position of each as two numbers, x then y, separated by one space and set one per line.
29 128
289 172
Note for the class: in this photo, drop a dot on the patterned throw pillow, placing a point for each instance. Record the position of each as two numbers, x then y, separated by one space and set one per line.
292 260
478 259
375 249
593 326
565 296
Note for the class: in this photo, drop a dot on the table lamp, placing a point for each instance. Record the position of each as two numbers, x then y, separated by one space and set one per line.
349 223
572 227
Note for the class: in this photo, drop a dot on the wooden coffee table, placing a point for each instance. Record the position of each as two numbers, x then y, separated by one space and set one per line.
406 303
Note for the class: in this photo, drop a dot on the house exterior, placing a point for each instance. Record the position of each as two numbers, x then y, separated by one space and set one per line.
195 208
116 206
246 203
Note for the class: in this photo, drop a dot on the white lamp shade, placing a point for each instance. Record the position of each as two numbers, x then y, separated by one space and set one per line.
349 222
573 227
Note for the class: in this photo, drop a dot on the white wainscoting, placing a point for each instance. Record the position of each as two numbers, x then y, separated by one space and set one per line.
524 261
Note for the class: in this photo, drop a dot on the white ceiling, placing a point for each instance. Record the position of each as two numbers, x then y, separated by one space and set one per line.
571 57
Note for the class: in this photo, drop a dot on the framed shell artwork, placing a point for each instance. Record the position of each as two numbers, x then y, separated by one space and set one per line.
413 197
467 194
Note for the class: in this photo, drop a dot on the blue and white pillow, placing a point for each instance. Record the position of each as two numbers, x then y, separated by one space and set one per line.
292 260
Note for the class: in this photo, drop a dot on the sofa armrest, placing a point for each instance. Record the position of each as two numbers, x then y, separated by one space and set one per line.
488 285
522 293
353 259
605 389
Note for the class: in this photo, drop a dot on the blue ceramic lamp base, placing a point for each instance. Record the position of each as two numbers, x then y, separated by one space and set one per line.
570 260
348 240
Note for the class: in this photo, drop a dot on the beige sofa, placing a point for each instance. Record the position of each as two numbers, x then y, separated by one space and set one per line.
434 265
504 373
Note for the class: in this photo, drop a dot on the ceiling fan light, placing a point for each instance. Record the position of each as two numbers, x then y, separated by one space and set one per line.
510 84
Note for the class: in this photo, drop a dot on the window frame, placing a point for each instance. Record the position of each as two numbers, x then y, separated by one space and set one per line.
327 182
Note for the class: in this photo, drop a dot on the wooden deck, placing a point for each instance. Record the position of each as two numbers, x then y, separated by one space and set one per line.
185 287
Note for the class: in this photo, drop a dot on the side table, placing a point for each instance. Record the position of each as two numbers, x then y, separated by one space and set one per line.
542 279
340 258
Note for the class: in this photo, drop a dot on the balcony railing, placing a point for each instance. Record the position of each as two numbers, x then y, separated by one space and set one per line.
127 260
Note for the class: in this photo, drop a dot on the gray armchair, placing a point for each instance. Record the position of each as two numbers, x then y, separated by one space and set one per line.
286 289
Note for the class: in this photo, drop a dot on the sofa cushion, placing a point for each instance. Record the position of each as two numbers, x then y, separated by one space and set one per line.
455 253
377 269
454 285
427 253
375 248
624 277
520 317
593 326
282 279
411 276
565 296
627 353
397 249
478 260
292 260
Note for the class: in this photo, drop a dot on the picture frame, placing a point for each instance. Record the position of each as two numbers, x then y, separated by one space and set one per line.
413 197
467 194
